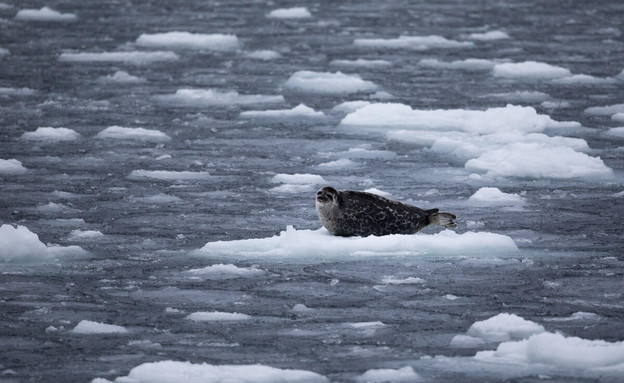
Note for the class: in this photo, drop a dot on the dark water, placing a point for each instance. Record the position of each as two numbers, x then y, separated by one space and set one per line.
569 232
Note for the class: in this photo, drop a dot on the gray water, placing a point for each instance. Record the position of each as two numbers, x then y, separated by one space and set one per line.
569 232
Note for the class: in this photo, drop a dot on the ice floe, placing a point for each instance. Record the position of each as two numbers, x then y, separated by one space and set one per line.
364 63
616 132
490 196
186 40
328 83
391 280
207 97
605 110
4 52
11 167
583 79
169 371
530 70
216 316
296 183
136 134
135 57
51 135
299 111
158 199
263 54
489 36
81 235
290 13
169 175
319 244
504 327
619 117
44 14
414 42
377 191
225 271
90 327
4 91
18 244
350 106
388 375
122 77
338 164
466 64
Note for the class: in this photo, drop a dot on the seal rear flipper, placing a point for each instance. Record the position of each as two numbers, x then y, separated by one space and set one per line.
442 219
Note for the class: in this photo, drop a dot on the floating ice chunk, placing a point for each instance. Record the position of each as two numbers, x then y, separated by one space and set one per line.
4 52
137 134
488 36
466 341
216 316
381 95
467 64
169 371
79 235
298 179
300 308
51 135
186 40
158 198
520 96
495 197
530 159
169 175
299 111
414 42
390 280
263 54
137 58
605 110
17 91
290 13
44 14
583 79
19 242
338 164
226 271
504 327
11 167
364 63
577 316
530 70
377 192
617 132
350 106
89 327
207 97
328 83
619 117
365 324
121 77
319 244
387 375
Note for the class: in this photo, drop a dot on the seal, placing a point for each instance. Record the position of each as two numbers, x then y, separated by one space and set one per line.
348 213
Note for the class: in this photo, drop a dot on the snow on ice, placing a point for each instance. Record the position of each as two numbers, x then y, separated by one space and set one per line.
11 167
414 42
328 83
18 244
207 97
88 327
290 13
299 111
51 134
489 196
137 134
136 58
186 40
44 14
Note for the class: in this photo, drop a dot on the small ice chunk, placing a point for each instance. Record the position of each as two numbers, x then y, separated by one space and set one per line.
388 375
78 235
530 70
90 327
467 64
366 325
350 106
300 308
44 14
338 164
216 316
364 63
300 111
226 271
577 316
298 179
490 196
488 36
208 97
504 327
186 40
619 117
11 167
263 54
328 83
391 280
290 13
136 134
413 42
122 77
466 341
616 132
51 135
136 57
169 175
605 110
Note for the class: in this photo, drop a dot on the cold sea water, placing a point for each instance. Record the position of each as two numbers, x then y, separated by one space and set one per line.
129 220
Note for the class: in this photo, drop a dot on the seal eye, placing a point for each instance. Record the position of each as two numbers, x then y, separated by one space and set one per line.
319 193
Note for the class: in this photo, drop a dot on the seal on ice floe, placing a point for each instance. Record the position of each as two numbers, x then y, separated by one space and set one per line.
349 213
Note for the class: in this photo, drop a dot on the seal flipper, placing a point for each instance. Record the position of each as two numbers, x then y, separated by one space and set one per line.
445 220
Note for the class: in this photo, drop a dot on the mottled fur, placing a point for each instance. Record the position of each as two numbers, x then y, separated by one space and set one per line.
352 213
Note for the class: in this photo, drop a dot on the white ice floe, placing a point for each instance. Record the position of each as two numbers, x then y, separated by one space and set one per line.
298 179
208 97
619 117
122 77
225 271
81 235
11 167
328 83
530 70
350 106
377 192
299 111
90 327
363 63
319 244
4 52
51 135
577 316
583 79
18 244
136 134
44 14
616 132
605 110
504 327
391 280
388 375
216 316
414 42
169 371
17 91
300 308
489 36
338 164
263 54
135 57
489 196
290 13
186 40
169 175
466 64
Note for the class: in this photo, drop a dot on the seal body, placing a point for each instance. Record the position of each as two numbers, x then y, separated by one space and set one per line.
349 213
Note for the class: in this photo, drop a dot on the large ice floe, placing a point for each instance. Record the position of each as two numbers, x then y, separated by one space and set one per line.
320 244
505 141
208 97
169 371
18 244
414 42
186 40
11 167
50 134
328 83
44 14
135 134
133 57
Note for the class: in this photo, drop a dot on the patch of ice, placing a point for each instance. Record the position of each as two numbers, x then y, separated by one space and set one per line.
55 208
11 167
216 316
44 14
338 164
186 40
619 117
300 111
466 341
90 327
504 327
530 70
583 79
169 175
319 244
391 280
136 57
488 36
387 375
617 132
121 77
328 83
137 134
298 179
17 91
4 52
51 135
226 271
414 42
79 235
577 316
363 63
263 54
18 244
293 188
350 106
605 110
290 13
300 308
467 64
489 196
169 371
208 97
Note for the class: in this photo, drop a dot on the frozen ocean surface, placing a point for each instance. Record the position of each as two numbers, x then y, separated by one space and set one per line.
159 161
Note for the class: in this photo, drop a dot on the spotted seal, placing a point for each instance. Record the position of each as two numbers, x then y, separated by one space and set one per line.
349 213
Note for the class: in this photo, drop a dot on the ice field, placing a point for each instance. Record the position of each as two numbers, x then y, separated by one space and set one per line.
159 163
